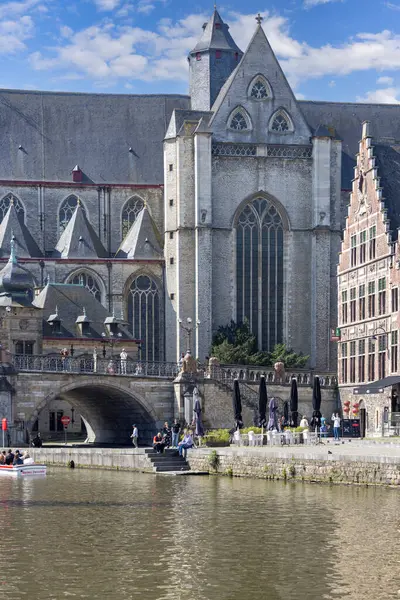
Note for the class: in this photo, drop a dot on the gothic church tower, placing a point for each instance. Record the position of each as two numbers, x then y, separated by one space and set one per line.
211 62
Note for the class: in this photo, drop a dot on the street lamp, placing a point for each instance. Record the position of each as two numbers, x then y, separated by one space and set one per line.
188 328
383 331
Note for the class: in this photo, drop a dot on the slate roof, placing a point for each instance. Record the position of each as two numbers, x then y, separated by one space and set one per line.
79 239
58 130
70 301
179 116
388 163
143 241
347 119
11 226
216 36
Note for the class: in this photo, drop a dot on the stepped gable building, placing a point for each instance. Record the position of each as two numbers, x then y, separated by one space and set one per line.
227 203
368 289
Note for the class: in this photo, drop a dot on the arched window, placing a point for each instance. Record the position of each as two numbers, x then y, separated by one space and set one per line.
239 120
66 211
259 271
144 315
5 205
129 213
281 122
259 88
88 281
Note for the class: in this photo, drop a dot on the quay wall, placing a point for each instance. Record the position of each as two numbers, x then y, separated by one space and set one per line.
307 466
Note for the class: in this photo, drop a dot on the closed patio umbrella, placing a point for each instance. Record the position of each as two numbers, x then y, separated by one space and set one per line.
286 411
294 402
237 405
316 403
262 402
273 406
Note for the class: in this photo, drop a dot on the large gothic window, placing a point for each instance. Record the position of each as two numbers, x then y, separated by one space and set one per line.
259 271
66 211
88 281
239 120
144 315
259 89
129 213
281 122
5 205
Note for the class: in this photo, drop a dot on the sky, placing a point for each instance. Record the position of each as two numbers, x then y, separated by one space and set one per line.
336 50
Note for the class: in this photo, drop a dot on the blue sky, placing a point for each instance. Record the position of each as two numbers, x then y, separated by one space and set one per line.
346 50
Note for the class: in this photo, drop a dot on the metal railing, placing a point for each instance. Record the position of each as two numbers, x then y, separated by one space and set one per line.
99 366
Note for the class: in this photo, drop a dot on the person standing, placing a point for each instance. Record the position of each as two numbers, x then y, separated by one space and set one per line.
336 426
176 428
134 436
167 434
95 360
123 356
304 422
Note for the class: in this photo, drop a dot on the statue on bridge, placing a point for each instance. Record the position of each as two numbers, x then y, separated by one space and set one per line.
280 374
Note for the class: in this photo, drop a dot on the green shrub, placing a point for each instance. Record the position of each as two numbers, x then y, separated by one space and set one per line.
217 436
213 459
254 429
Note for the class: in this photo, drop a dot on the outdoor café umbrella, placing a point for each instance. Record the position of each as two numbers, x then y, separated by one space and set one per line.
199 430
237 405
286 411
294 402
262 402
316 403
273 407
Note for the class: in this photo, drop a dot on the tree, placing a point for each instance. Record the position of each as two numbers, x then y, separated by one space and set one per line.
236 344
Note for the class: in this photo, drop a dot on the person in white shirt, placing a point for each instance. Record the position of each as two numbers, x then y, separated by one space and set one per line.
134 436
336 426
304 422
123 356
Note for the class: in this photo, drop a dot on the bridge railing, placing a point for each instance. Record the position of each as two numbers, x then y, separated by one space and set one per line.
99 366
252 374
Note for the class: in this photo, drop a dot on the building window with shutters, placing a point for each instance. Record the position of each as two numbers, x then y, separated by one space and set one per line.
394 350
353 250
381 356
371 360
361 360
344 362
371 299
353 305
372 242
352 373
363 246
361 302
395 299
382 296
344 307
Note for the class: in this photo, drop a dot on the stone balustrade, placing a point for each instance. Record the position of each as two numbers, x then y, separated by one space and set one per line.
252 374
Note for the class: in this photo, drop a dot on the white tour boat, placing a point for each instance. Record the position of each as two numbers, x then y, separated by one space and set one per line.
28 470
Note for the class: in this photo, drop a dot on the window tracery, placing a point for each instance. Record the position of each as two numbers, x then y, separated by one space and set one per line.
259 90
238 121
88 281
144 315
66 211
281 123
5 205
130 212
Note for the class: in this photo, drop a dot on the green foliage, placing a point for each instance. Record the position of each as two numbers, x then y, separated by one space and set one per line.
219 436
236 344
254 429
213 459
229 472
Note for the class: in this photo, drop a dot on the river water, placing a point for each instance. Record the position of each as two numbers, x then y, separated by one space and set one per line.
117 535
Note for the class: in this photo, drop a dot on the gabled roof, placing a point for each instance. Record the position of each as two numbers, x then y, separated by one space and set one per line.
387 159
70 300
179 117
143 241
12 227
79 239
216 36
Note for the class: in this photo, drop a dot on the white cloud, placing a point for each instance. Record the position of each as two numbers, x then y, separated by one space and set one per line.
106 5
14 33
311 3
13 9
332 83
392 6
385 81
390 95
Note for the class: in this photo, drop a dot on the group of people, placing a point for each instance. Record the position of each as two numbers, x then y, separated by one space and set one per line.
14 458
169 438
324 428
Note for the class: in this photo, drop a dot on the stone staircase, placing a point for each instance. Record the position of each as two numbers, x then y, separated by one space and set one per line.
167 462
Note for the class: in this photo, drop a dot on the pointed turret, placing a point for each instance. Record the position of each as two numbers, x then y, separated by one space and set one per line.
211 62
142 240
257 104
16 283
79 239
12 227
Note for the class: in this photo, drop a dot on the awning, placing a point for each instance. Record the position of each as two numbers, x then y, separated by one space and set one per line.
377 387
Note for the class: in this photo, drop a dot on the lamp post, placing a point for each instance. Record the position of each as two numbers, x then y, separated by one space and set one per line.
188 328
375 337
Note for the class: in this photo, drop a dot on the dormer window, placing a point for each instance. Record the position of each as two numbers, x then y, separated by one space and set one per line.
281 122
259 89
55 323
111 325
83 323
239 120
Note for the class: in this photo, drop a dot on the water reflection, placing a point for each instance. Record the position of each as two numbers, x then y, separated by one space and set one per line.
117 536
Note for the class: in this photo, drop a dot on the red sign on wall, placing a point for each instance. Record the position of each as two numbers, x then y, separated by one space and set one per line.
65 421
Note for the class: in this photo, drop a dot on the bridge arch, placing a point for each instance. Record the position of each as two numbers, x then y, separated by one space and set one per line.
108 409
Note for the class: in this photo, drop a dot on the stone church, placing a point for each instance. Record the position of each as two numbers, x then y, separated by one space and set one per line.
224 204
